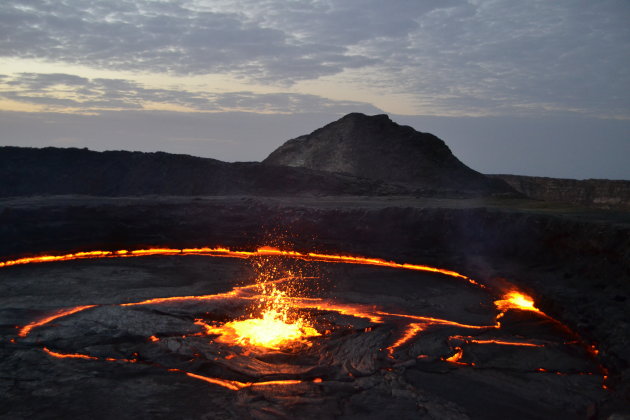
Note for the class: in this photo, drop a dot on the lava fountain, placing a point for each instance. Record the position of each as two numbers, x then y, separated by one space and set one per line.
516 300
273 329
273 321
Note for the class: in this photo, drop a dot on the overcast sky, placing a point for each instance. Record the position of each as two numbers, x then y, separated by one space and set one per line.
527 87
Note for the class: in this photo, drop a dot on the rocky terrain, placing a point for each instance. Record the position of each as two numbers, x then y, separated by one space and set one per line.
132 360
576 266
601 193
375 147
393 341
54 171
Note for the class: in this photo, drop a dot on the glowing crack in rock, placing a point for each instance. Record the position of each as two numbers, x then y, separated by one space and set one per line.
24 331
226 252
278 323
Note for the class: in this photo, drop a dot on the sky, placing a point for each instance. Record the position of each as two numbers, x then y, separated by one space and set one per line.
535 87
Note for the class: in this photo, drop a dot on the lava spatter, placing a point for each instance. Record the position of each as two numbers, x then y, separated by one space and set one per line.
273 329
516 300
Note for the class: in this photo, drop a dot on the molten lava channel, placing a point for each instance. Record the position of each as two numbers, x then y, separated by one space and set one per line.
226 252
278 323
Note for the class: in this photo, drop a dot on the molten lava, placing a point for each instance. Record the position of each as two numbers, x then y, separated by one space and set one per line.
455 358
68 355
24 331
516 300
276 318
273 329
225 252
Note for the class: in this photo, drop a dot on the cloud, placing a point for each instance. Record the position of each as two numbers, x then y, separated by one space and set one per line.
475 57
66 92
508 57
338 22
490 57
160 36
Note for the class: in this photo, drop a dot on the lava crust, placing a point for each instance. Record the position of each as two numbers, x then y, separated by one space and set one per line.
140 335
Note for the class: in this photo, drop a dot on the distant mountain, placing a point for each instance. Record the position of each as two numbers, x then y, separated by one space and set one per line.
375 147
55 171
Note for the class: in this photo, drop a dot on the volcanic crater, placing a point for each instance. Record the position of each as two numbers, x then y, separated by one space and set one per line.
382 327
420 299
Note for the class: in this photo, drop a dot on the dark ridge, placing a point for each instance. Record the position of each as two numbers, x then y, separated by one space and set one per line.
600 193
55 171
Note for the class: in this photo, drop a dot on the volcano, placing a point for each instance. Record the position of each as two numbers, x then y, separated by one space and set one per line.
362 271
375 147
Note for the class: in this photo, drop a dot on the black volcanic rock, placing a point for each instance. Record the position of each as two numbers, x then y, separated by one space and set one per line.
600 193
54 171
376 147
576 270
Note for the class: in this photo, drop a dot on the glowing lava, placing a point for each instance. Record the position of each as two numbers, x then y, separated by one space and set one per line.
455 358
276 319
272 330
24 331
225 252
412 330
516 300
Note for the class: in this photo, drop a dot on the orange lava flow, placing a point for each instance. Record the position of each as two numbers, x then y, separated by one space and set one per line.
237 385
54 258
455 358
278 382
354 310
431 320
226 252
68 355
157 301
495 341
84 356
412 330
24 331
233 385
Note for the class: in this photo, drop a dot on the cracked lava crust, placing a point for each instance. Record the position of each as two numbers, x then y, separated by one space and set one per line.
283 342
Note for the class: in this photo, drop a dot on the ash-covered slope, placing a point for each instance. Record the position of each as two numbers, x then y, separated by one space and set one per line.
53 171
376 147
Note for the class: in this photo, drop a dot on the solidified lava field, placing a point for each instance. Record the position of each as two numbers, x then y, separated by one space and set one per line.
393 342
